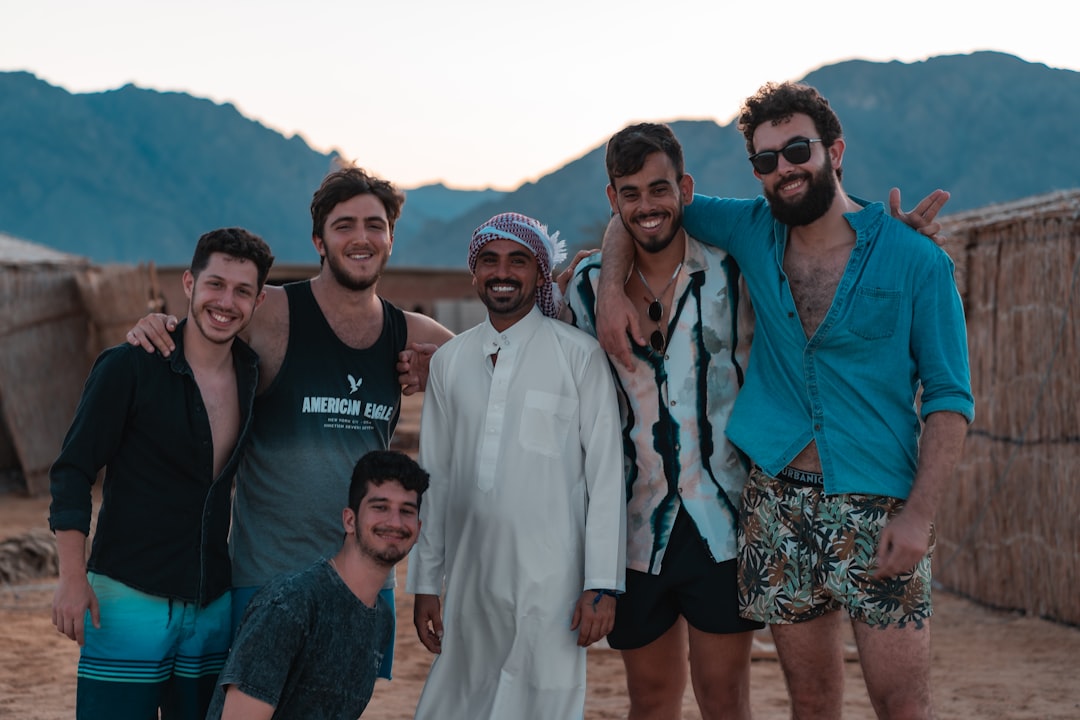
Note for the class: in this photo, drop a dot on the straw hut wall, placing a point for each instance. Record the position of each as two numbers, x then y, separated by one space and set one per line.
43 361
115 297
1008 534
57 312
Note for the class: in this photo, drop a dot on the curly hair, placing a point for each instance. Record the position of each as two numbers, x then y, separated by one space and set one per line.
774 103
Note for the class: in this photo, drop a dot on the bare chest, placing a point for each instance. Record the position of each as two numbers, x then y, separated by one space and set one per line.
222 404
358 332
813 280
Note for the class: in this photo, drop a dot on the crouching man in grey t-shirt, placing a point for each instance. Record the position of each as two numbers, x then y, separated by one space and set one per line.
310 644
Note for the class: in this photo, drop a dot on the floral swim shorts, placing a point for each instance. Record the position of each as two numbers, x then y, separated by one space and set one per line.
803 554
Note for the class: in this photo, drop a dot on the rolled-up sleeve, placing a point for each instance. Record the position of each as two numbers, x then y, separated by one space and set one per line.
939 343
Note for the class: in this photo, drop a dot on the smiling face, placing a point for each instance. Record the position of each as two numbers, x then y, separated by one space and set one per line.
650 202
798 194
223 298
356 242
505 278
386 523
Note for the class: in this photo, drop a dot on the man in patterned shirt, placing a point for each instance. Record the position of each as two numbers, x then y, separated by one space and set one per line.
684 478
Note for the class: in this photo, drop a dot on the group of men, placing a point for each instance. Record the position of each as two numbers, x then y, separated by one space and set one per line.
668 494
286 400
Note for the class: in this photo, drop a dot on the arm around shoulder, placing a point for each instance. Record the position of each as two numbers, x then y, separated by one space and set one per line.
425 336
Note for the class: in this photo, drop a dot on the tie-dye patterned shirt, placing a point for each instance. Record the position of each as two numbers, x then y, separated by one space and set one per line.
675 409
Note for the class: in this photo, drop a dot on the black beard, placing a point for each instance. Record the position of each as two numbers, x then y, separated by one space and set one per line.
655 246
821 191
506 306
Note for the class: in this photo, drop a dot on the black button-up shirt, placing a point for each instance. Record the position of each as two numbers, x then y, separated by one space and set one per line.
163 524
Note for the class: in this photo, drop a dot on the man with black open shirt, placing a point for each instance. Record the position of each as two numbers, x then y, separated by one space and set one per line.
150 608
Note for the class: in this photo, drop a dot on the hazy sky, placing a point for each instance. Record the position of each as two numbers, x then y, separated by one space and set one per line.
493 92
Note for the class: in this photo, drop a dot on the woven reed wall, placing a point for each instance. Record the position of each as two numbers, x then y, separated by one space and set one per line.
43 333
54 320
1009 525
115 297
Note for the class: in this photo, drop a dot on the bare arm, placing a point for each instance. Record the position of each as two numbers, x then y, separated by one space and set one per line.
73 596
615 314
240 706
423 329
907 536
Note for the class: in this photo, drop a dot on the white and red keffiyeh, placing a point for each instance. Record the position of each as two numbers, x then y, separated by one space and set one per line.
549 250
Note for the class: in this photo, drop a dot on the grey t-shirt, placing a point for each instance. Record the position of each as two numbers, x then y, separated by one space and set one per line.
308 646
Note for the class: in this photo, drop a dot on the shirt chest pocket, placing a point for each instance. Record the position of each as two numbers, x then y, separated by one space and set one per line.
545 422
875 313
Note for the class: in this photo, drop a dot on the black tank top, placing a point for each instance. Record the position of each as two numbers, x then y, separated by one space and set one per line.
328 406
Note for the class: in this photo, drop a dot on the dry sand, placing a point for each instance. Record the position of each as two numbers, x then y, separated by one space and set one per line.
986 664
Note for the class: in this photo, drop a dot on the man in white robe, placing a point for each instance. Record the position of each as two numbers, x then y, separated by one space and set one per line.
524 527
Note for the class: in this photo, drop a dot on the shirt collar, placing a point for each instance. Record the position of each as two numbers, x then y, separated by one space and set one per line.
513 336
694 258
242 352
863 221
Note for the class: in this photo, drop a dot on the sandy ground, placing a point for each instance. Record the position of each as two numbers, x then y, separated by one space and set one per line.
986 664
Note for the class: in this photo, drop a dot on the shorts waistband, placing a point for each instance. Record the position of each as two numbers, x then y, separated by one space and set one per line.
796 476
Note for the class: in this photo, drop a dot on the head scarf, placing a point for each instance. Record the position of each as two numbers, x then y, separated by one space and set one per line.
548 249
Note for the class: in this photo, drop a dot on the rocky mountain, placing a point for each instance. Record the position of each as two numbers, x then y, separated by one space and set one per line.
988 127
134 174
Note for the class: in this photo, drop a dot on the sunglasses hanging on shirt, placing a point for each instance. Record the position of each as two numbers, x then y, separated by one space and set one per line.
657 340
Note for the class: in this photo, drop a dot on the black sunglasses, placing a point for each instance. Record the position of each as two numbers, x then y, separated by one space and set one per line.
795 152
657 341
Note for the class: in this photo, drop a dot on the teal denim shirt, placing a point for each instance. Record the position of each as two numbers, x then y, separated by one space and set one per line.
896 324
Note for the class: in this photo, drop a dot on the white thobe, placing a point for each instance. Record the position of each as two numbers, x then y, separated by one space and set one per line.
526 510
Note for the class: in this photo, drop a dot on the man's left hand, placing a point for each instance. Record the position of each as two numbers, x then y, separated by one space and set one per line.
593 617
922 217
563 278
904 542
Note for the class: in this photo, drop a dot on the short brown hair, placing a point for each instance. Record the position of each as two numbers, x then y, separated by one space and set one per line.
347 183
237 242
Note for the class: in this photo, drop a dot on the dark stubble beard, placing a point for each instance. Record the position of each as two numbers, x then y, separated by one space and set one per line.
821 191
349 283
661 243
197 319
383 557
